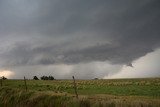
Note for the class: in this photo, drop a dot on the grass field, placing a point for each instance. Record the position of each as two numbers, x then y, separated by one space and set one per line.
92 93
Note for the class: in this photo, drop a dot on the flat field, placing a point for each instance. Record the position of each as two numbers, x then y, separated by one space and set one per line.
92 93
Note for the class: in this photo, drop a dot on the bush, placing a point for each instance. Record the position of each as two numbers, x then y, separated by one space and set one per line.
35 78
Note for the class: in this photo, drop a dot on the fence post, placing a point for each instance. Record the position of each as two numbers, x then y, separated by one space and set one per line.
75 87
25 83
1 82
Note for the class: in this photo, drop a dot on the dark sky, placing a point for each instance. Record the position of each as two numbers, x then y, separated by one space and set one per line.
85 38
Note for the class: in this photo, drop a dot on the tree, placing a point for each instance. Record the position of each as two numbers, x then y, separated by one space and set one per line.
51 78
44 78
4 78
47 78
95 78
35 78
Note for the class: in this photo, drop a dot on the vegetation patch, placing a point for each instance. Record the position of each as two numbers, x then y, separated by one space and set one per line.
91 93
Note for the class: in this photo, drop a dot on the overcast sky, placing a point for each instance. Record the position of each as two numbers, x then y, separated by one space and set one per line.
85 38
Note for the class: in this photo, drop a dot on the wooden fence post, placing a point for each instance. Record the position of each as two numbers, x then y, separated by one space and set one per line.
1 82
75 87
25 83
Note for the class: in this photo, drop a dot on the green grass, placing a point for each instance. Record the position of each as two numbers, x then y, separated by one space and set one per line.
138 87
92 93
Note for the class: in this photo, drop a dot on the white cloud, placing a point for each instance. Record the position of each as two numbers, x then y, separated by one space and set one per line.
6 73
94 70
146 66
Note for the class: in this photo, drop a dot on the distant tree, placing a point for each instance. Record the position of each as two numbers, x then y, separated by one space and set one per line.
51 78
35 78
44 78
4 78
47 78
95 78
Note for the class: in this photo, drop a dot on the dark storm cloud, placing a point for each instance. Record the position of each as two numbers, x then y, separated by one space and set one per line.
76 31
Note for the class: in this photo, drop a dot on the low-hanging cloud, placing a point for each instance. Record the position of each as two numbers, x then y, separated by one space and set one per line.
145 66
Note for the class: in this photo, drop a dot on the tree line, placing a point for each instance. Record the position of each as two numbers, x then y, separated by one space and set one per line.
36 78
44 78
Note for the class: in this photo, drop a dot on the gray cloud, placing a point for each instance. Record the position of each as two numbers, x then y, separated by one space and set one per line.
39 32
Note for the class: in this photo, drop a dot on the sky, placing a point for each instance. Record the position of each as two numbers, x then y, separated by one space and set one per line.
85 38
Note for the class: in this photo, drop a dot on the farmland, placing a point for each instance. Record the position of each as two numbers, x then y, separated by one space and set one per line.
98 93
